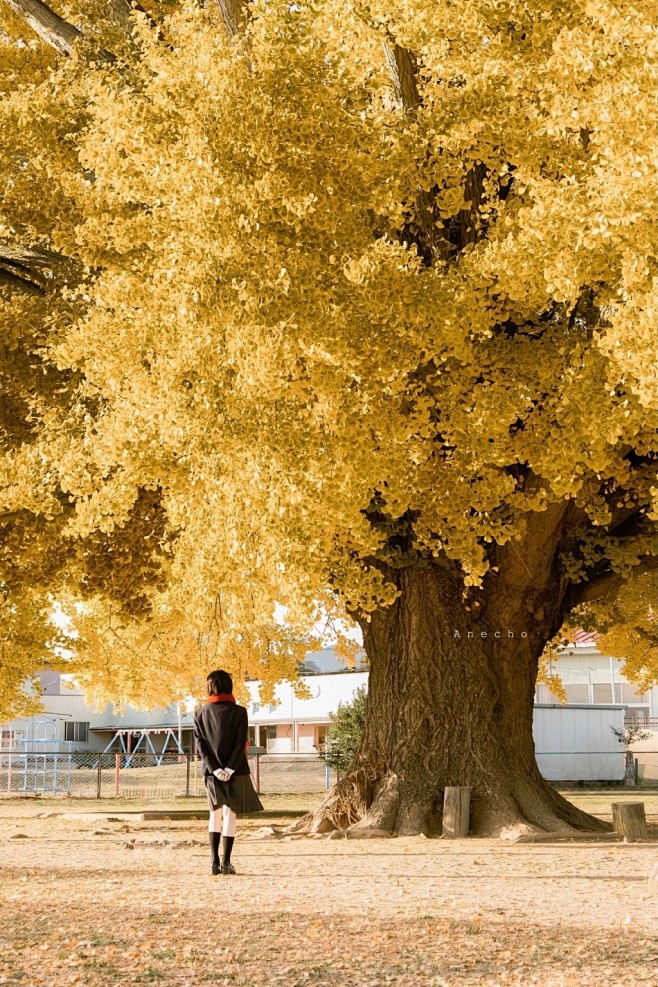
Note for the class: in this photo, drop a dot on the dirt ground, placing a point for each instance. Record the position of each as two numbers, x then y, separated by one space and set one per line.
99 903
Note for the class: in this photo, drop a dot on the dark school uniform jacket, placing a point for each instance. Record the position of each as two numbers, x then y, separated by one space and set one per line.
220 731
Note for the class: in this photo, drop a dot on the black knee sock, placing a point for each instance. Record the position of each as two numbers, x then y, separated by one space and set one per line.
213 839
227 846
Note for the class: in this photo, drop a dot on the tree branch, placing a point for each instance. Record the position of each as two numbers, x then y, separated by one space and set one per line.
120 12
60 35
234 15
435 238
425 230
529 562
51 28
469 220
25 269
606 586
17 281
402 68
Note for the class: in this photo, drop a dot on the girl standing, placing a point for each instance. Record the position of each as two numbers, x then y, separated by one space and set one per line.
220 731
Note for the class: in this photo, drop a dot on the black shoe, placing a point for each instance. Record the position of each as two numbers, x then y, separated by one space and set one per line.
227 868
216 867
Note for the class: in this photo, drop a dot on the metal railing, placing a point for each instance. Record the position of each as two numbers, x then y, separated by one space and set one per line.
84 774
173 775
642 720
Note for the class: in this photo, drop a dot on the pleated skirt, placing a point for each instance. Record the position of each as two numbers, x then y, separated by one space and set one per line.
238 794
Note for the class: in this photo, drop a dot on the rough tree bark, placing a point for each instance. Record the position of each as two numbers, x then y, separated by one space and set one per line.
61 35
450 702
451 692
234 15
51 28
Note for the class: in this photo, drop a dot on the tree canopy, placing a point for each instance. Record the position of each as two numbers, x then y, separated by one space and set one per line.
357 287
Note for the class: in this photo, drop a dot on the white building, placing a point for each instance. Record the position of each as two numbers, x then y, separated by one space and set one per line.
593 679
288 725
294 724
596 692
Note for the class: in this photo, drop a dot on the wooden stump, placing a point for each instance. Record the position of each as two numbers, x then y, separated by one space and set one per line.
628 819
456 811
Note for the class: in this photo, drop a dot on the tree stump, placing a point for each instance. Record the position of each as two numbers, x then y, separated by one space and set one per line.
456 811
629 820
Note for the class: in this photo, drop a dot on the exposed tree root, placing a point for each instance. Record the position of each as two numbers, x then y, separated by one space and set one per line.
359 807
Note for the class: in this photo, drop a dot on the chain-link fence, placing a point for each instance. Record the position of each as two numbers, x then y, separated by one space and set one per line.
174 775
276 774
148 776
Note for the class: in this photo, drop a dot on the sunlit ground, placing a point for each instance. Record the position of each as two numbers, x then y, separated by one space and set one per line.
102 902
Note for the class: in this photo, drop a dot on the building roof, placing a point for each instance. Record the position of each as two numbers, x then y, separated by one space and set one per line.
325 662
579 636
170 727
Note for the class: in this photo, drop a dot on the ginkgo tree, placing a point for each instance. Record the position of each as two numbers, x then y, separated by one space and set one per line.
348 309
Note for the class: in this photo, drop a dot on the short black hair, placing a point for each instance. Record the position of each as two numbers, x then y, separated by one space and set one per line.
219 681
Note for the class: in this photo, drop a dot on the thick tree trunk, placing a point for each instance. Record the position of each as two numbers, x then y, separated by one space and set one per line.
450 702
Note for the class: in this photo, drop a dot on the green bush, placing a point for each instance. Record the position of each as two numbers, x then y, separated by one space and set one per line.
344 734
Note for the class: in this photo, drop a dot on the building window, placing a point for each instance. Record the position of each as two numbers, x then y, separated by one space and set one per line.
603 693
9 737
629 695
577 693
77 732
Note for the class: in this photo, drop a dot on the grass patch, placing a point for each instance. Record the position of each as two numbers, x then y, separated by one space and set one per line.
100 966
150 976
